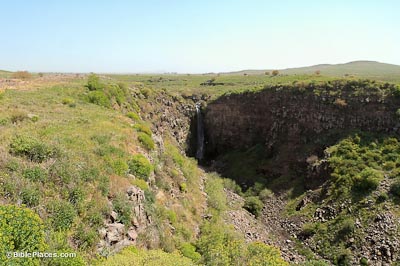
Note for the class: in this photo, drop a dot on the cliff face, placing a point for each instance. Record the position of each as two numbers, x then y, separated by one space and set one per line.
293 117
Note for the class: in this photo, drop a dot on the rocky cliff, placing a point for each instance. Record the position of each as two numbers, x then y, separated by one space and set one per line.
298 115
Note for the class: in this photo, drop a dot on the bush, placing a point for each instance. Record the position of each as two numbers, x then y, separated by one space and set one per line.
119 167
62 215
18 116
368 180
132 257
347 228
99 98
31 148
140 183
30 196
134 116
122 207
104 185
85 238
395 189
265 194
254 205
20 230
94 83
260 254
232 185
146 92
189 251
143 128
35 174
22 75
183 187
140 167
382 197
69 101
76 196
215 192
146 141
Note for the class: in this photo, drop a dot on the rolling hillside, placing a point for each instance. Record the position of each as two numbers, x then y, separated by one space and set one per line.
364 69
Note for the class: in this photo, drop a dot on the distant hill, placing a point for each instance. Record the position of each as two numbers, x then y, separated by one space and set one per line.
363 69
4 73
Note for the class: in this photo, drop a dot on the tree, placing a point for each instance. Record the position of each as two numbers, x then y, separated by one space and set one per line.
22 75
94 83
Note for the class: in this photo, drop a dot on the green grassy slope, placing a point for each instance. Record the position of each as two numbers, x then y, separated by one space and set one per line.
364 69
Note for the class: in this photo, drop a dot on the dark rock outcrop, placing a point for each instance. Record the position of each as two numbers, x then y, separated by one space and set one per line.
288 115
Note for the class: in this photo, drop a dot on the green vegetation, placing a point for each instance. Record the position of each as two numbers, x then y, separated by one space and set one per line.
359 164
140 166
31 148
68 149
254 205
135 257
220 244
20 230
146 141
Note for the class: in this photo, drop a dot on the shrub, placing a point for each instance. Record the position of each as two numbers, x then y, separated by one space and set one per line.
35 174
368 180
18 116
94 83
347 227
140 166
265 194
189 251
31 148
146 92
254 205
398 112
22 75
364 261
133 257
85 238
232 185
382 197
104 185
183 187
260 254
99 98
215 192
69 101
119 167
62 214
395 189
20 230
146 141
219 244
30 196
143 128
134 116
140 183
76 196
122 207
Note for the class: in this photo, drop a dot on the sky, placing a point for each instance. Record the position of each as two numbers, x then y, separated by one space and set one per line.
194 36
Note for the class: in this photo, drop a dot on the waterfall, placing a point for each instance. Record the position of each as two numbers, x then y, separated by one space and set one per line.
200 133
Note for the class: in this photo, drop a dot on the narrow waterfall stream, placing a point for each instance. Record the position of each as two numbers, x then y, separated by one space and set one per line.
200 133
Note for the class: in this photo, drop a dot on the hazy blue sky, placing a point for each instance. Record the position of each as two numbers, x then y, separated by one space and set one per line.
194 36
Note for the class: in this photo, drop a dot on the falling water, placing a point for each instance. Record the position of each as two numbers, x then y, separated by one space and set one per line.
200 133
